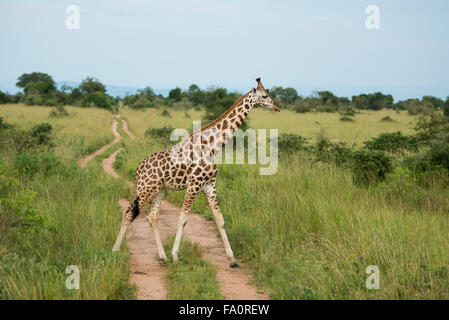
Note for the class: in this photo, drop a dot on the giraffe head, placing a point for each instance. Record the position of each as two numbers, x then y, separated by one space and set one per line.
263 97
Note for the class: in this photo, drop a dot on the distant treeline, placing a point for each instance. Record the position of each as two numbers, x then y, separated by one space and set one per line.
40 89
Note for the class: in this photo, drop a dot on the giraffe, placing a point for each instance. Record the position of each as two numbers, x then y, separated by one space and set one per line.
189 166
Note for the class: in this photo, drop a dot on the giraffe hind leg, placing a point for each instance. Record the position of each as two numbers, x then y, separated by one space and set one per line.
153 220
129 214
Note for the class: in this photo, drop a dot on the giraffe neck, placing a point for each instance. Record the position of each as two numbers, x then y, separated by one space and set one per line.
219 132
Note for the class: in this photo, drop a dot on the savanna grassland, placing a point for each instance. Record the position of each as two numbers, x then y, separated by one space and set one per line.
306 232
54 214
309 232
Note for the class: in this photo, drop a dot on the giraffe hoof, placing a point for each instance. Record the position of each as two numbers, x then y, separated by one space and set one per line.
234 265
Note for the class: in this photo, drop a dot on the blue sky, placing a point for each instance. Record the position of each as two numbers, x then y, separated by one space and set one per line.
308 45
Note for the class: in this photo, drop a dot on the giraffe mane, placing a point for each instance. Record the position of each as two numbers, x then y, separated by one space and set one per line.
213 123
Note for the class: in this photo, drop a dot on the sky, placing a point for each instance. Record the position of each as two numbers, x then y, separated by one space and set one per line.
308 45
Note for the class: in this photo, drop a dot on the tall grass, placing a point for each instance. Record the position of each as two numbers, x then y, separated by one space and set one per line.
78 209
309 233
84 130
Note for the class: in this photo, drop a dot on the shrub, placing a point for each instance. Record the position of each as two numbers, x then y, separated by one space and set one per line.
302 109
346 119
4 97
41 134
29 163
58 112
96 99
394 142
348 113
387 119
163 132
14 138
4 125
439 155
141 102
18 214
291 143
165 113
333 152
369 167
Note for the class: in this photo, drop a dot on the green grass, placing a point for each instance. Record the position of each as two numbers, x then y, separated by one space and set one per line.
192 277
82 132
79 209
308 233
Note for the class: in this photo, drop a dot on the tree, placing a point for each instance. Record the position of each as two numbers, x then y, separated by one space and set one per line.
175 94
217 102
4 98
433 102
327 97
96 99
373 101
290 95
276 92
91 85
287 95
148 93
446 107
27 78
195 94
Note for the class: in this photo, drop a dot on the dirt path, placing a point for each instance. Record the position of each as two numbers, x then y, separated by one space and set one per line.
146 271
84 161
125 128
234 283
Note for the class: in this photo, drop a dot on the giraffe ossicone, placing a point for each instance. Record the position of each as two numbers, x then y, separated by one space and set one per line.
190 165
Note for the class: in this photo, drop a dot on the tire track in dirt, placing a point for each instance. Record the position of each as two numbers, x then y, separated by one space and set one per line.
125 128
84 161
147 272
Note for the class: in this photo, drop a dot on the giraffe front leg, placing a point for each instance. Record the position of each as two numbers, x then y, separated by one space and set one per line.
153 217
211 196
191 193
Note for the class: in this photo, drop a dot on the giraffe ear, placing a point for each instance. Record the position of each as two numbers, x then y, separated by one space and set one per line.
254 90
268 91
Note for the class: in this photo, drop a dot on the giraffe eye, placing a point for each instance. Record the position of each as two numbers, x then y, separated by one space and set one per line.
264 97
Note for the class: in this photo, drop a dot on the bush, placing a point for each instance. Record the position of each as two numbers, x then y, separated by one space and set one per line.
11 137
291 143
58 112
29 163
302 109
439 155
333 152
348 113
4 98
346 119
394 142
18 214
159 132
369 167
96 99
386 119
4 125
41 134
165 113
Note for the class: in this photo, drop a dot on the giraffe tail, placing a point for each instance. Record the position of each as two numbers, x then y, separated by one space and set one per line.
135 207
